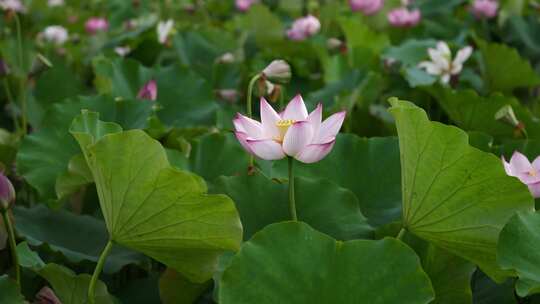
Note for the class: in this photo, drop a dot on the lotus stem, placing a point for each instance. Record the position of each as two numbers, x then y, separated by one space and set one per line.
97 272
22 85
12 247
248 105
292 203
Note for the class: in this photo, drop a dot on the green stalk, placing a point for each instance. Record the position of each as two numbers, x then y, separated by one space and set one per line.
401 233
248 106
292 204
97 272
12 247
22 86
12 103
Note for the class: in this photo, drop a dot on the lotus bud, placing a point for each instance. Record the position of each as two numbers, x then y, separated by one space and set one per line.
278 71
229 95
7 192
148 91
47 296
226 58
485 8
507 115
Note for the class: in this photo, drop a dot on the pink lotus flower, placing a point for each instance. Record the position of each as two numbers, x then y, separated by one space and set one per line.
148 91
47 296
7 192
485 8
403 17
13 5
304 28
529 174
291 133
244 5
96 24
368 7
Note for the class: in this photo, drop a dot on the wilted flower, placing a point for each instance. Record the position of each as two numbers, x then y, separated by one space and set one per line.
164 29
148 91
291 133
277 71
244 5
7 192
53 3
485 8
55 34
441 63
122 50
46 296
13 5
368 7
403 17
304 28
96 24
529 174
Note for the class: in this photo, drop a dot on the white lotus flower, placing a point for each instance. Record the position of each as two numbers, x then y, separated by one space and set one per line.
441 63
53 3
55 34
164 29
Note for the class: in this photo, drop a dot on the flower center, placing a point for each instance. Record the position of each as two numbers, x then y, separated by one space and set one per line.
283 125
532 173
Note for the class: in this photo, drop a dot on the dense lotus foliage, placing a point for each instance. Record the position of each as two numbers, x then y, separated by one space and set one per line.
269 151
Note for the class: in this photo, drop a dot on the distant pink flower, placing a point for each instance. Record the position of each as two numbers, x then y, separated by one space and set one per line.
403 17
368 7
96 24
304 28
485 8
291 133
529 174
244 5
148 91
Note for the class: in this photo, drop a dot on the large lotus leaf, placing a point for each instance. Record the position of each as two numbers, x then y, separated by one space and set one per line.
368 167
319 202
411 52
77 175
472 112
185 98
505 70
218 154
454 196
56 84
72 288
449 274
176 289
78 237
9 292
292 263
44 155
518 250
154 208
69 287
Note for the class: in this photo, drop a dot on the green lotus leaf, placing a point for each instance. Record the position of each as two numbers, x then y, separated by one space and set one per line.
77 237
324 205
505 69
454 196
367 167
292 263
517 250
152 207
9 293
